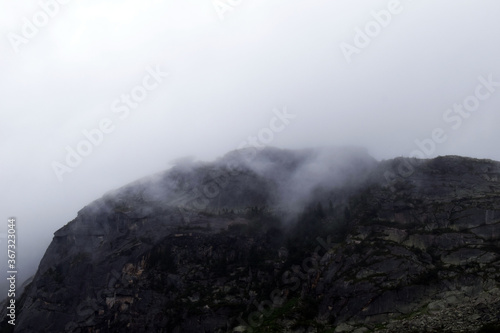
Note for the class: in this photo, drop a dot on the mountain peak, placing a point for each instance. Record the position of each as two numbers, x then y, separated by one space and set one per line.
318 239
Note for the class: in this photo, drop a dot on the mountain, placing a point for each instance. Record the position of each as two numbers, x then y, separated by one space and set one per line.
271 240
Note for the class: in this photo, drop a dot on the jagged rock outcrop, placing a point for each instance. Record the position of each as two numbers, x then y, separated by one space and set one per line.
426 246
324 240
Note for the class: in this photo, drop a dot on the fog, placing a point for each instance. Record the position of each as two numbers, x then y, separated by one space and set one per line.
131 86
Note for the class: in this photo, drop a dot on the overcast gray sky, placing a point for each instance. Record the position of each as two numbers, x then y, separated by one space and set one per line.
378 74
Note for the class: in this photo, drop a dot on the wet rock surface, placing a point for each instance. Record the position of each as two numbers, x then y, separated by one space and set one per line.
378 252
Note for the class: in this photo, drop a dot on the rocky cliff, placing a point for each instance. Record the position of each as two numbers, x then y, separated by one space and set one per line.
324 240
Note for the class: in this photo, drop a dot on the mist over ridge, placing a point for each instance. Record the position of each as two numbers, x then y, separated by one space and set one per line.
299 230
225 137
267 176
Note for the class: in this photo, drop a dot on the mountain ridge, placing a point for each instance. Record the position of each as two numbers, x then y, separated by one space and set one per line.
382 252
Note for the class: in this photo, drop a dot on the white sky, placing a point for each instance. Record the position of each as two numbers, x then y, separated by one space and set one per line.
225 78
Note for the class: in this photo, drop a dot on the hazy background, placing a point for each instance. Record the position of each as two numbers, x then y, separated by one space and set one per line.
225 78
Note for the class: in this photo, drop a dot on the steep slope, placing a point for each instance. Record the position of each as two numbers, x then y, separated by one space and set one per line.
280 241
423 247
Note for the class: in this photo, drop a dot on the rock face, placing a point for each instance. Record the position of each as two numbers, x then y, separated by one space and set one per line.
324 240
425 250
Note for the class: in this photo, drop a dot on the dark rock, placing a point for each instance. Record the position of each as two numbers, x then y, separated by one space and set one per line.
283 241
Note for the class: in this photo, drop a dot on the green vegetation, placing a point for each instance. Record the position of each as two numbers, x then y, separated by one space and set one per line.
272 323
